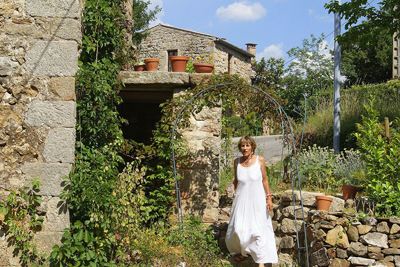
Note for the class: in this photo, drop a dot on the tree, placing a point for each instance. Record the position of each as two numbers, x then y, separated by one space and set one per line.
310 73
142 17
383 17
368 63
269 72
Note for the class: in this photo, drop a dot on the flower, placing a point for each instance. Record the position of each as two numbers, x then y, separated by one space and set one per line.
205 59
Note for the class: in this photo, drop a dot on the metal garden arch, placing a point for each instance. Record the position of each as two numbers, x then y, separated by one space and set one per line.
294 180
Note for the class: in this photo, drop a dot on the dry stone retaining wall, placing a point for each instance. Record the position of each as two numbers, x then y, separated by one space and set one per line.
39 42
335 238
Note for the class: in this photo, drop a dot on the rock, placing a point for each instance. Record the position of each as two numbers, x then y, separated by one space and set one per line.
319 235
375 239
341 253
394 243
337 237
288 226
382 227
395 229
51 113
357 249
376 256
289 212
384 263
361 261
374 249
391 251
369 221
319 258
395 220
60 145
287 242
363 229
339 263
389 258
352 233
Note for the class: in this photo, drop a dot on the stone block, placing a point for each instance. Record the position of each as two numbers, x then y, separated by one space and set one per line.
67 29
319 258
357 249
339 263
54 8
51 113
45 241
395 229
62 88
394 243
288 226
341 253
57 215
60 145
391 251
53 58
7 66
9 112
352 233
361 261
375 239
287 242
395 220
337 237
384 263
382 227
50 175
363 229
289 212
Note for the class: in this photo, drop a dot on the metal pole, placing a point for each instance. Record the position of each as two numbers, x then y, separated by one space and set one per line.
336 95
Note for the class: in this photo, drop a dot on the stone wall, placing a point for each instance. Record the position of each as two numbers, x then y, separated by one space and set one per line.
334 238
192 44
39 42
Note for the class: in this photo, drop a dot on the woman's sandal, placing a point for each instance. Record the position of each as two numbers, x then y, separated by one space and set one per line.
239 257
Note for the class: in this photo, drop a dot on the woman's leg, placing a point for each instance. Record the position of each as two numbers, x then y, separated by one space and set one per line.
261 265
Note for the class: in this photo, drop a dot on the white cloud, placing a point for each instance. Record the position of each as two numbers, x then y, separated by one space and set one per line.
160 15
241 11
275 51
310 12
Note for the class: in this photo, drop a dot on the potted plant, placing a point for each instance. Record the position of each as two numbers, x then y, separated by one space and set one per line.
350 186
151 64
139 66
178 63
204 64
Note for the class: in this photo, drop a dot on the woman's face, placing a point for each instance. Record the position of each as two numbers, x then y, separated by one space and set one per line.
245 148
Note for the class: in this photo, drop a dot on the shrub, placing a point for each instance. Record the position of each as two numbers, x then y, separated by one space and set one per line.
382 156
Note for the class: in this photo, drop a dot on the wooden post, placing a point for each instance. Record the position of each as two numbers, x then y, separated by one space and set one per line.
387 134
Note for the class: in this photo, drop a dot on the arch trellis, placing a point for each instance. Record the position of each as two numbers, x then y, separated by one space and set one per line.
295 180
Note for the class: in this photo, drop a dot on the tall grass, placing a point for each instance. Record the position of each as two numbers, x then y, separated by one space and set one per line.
319 125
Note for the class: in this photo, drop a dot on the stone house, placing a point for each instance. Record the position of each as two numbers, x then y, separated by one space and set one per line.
164 41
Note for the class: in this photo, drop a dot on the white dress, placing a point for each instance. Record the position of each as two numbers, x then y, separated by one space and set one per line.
250 227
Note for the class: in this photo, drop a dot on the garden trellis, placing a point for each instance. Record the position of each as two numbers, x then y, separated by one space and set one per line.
288 135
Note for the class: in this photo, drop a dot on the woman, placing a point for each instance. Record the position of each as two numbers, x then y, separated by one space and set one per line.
250 227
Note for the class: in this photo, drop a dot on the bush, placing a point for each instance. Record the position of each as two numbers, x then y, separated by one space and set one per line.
382 157
319 168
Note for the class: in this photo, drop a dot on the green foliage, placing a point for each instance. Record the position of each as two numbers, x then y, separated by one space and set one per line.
319 168
382 156
368 63
310 73
189 66
383 17
21 222
269 73
142 17
319 125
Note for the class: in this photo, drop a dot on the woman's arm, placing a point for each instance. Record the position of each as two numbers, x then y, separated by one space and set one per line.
265 183
235 164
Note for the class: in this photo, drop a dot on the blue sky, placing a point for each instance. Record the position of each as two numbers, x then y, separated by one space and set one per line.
275 25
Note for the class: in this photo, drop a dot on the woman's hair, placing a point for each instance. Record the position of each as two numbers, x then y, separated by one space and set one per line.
249 140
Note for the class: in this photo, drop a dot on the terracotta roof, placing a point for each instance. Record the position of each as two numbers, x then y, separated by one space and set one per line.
217 39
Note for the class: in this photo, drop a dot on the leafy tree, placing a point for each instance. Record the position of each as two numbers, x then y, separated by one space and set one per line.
142 17
368 63
383 17
310 73
269 72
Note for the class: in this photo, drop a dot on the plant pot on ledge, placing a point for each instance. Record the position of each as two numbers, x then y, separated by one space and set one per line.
349 191
141 67
323 202
203 67
151 64
178 63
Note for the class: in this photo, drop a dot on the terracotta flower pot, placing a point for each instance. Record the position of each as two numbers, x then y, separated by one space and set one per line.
323 202
349 191
178 63
203 67
141 67
151 64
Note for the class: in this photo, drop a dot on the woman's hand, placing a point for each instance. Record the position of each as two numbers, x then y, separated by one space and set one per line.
270 205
